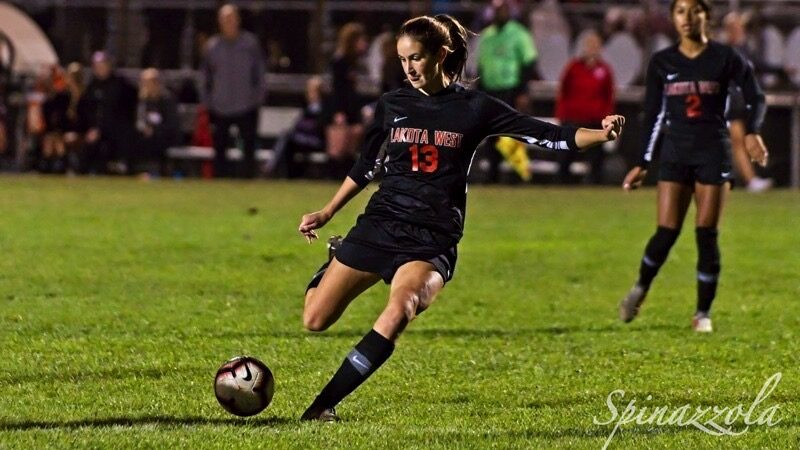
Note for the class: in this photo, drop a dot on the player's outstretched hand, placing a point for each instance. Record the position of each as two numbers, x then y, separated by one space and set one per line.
612 126
311 222
634 178
756 150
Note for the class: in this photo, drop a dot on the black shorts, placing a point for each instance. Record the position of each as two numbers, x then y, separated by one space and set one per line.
715 173
385 263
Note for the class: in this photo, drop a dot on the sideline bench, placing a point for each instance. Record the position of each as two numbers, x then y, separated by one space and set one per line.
273 123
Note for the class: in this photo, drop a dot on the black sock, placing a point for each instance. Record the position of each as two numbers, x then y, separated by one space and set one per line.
708 267
361 362
655 254
706 291
317 276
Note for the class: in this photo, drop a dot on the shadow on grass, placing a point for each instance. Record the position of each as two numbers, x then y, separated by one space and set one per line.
497 333
611 328
553 330
158 421
110 373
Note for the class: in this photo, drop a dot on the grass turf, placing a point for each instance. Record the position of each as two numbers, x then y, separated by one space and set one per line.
119 299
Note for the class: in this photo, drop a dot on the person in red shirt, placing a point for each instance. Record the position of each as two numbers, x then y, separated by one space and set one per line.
585 97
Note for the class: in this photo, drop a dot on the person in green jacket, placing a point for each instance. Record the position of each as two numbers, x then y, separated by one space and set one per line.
506 62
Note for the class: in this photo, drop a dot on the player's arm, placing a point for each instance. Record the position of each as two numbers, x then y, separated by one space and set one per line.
505 121
360 175
654 110
318 219
610 131
744 77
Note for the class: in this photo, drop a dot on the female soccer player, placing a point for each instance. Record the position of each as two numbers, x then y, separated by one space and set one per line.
687 86
425 135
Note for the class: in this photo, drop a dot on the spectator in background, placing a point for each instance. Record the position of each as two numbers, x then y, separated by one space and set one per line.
585 97
3 121
548 18
76 116
345 68
5 74
381 59
54 111
233 88
307 135
110 117
743 32
156 121
392 75
345 127
506 62
506 58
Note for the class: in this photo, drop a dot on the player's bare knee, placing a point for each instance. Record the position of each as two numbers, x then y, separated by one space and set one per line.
313 320
407 303
309 298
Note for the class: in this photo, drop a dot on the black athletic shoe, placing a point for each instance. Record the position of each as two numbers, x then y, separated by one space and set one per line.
320 415
631 303
333 244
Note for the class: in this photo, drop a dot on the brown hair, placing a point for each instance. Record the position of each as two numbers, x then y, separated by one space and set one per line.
437 32
347 39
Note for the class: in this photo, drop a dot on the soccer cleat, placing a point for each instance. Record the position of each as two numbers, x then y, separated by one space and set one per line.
320 415
334 242
758 184
701 323
629 306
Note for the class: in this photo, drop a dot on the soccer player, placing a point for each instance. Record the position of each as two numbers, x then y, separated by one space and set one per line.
425 136
687 86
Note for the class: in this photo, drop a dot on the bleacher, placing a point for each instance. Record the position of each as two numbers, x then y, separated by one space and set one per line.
273 123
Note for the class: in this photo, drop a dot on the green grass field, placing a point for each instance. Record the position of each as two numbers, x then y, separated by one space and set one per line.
119 299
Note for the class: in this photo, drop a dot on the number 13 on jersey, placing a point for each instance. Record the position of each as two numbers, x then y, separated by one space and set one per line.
425 158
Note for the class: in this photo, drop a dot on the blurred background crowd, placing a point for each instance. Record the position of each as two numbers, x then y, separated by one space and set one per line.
285 88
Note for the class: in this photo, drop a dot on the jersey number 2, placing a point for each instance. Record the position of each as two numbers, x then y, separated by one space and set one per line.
693 104
429 161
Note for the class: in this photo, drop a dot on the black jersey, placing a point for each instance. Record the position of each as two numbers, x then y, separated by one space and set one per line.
686 100
425 145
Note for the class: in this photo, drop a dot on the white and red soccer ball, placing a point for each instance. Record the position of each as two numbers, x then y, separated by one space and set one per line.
244 386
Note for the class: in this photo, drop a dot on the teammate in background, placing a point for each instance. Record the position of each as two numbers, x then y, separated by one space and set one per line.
737 113
408 234
687 87
736 36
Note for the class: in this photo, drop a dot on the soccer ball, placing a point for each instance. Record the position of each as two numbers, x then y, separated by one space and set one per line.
244 386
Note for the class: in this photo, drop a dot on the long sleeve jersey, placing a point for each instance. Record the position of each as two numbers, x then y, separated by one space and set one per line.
686 99
426 144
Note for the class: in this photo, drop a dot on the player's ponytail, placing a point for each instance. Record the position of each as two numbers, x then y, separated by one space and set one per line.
457 56
437 32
